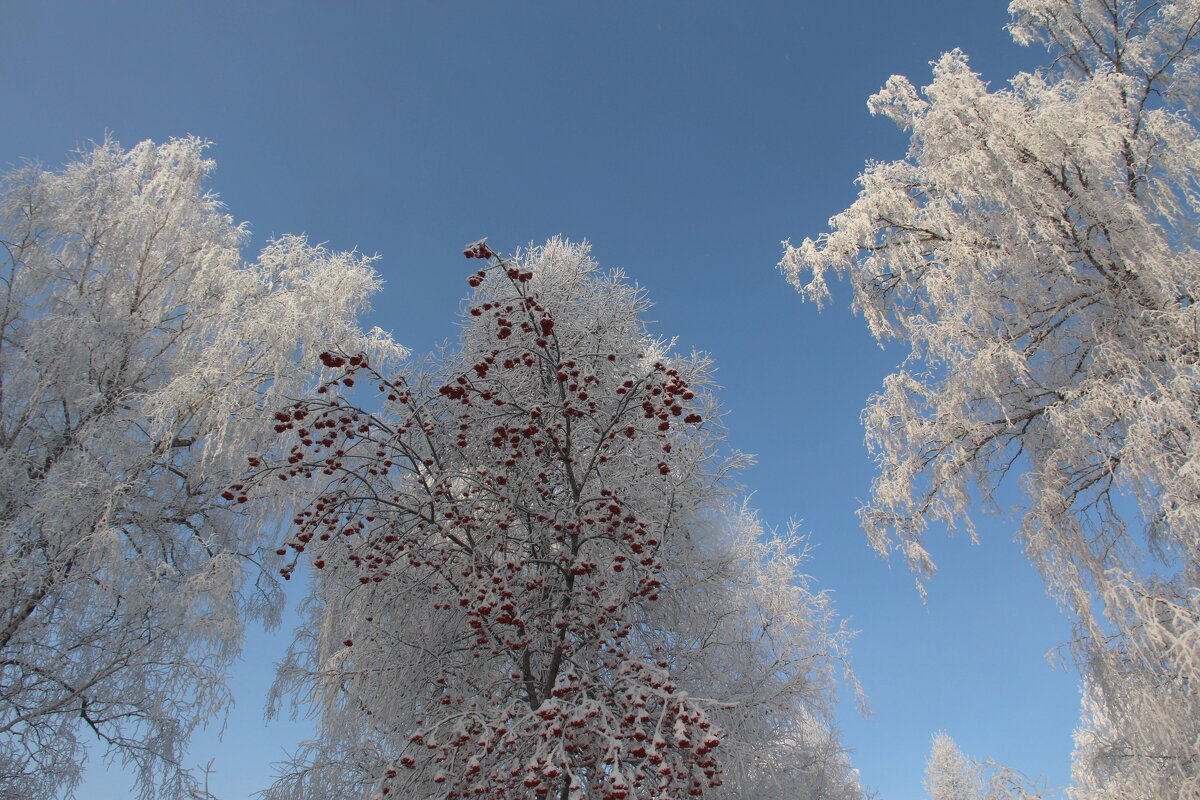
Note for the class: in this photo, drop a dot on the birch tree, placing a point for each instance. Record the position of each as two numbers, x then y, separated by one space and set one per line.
1037 248
532 579
138 359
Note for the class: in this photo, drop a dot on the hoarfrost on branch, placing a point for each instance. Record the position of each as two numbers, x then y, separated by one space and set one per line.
532 578
1037 248
138 359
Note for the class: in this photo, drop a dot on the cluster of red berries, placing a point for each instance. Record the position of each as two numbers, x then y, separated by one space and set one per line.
478 249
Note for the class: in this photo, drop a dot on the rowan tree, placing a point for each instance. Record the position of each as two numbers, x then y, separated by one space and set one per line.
138 359
529 579
1037 247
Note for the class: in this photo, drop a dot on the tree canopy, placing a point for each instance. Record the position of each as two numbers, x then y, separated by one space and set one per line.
1037 248
532 577
139 359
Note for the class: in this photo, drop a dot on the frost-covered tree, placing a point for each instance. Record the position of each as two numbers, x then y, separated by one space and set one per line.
1038 249
950 775
138 359
1139 736
530 580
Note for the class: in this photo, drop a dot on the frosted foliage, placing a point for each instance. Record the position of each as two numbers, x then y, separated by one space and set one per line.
950 775
1141 728
137 358
1037 248
531 580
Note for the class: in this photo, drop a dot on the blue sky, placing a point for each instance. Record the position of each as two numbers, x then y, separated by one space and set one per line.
684 140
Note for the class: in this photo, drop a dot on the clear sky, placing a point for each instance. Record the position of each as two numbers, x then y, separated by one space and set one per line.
684 139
